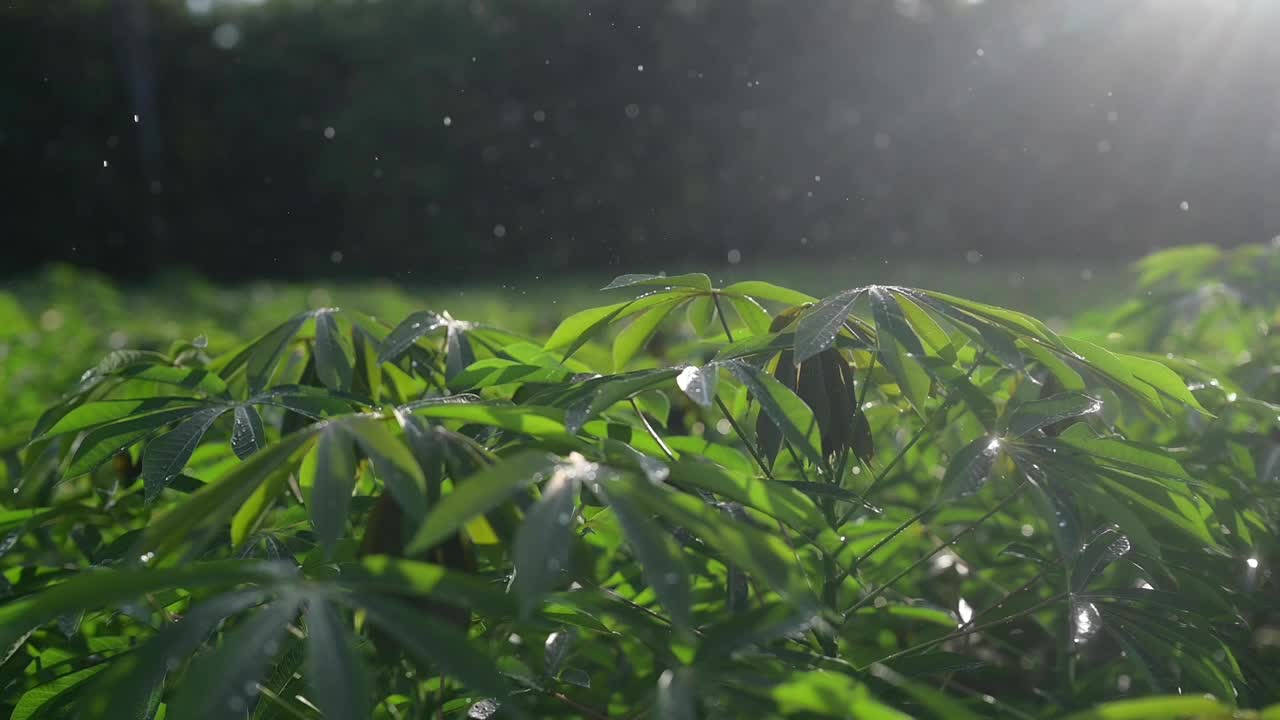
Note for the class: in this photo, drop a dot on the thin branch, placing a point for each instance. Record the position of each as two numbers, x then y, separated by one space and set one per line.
715 298
653 433
743 436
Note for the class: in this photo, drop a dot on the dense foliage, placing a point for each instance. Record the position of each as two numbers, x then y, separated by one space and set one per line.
696 501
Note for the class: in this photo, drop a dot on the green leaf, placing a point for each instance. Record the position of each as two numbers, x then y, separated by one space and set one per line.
1112 367
906 370
701 312
818 327
1165 707
458 351
190 378
216 501
575 330
167 455
699 383
44 699
1105 548
899 348
528 420
330 471
925 327
408 332
102 442
129 688
784 408
829 694
543 541
432 642
249 516
775 499
1069 378
1030 416
661 560
1017 322
969 468
247 434
762 554
104 588
393 463
222 684
599 394
334 354
768 291
755 317
478 494
396 576
697 281
336 675
636 335
264 354
162 410
1164 380
757 626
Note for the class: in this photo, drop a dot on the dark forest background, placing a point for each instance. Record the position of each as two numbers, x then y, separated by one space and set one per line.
427 138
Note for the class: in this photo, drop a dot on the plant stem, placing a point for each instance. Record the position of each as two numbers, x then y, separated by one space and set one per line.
653 433
715 298
743 436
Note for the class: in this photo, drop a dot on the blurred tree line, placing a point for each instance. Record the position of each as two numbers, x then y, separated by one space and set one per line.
423 138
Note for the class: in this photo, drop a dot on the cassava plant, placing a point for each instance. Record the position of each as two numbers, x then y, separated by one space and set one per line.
692 502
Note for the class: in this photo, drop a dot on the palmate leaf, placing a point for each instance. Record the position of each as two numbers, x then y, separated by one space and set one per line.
829 694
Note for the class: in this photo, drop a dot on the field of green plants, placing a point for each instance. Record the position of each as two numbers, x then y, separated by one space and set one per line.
673 498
